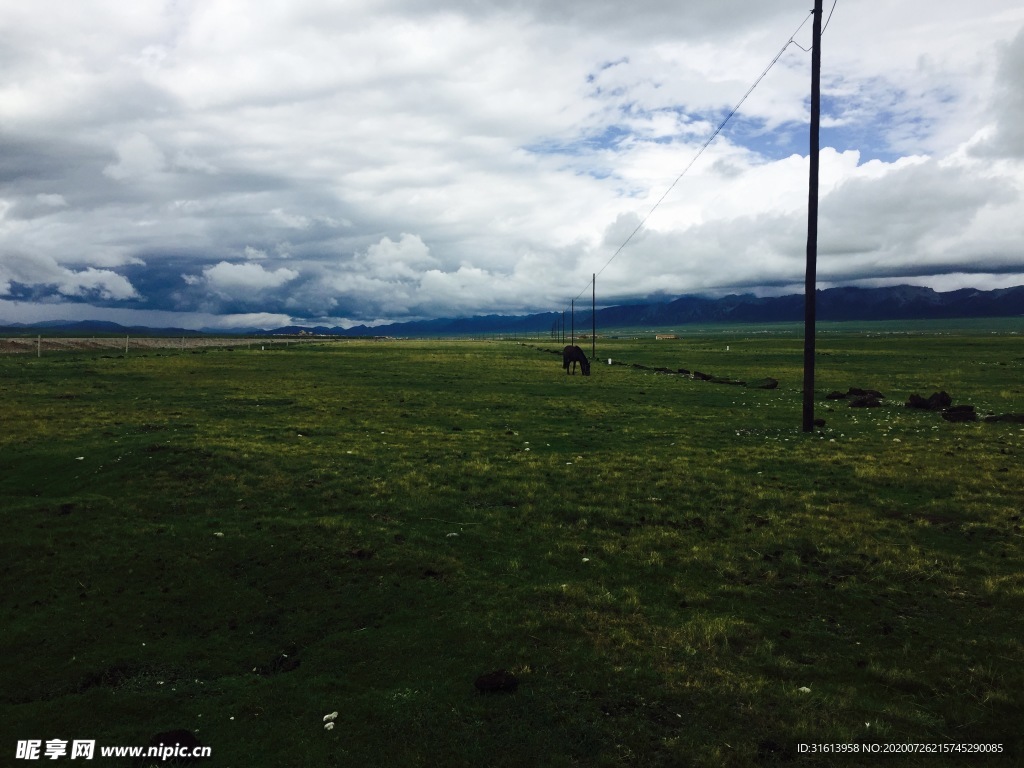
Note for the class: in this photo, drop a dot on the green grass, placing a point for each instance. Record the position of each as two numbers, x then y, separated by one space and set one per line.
662 562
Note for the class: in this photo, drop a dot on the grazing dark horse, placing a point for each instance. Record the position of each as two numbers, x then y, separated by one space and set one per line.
573 354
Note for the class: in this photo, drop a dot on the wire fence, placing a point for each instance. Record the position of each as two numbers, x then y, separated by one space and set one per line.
39 345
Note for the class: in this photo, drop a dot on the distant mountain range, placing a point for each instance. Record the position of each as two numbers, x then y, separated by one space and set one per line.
102 328
902 302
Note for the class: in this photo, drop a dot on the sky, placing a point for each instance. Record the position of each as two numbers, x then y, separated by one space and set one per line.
228 164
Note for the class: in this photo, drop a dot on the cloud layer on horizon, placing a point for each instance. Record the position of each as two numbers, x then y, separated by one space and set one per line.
199 164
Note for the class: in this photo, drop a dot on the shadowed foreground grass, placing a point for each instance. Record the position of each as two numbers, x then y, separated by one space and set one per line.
239 542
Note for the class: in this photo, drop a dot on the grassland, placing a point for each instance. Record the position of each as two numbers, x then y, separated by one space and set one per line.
239 542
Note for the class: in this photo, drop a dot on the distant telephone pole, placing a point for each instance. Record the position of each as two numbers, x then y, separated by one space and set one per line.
810 279
593 317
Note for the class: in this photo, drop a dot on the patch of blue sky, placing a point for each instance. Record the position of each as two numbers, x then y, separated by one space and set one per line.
851 124
881 122
609 138
876 135
612 137
769 142
863 139
847 124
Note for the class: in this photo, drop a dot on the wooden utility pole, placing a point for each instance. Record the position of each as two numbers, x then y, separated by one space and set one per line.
572 321
593 317
811 279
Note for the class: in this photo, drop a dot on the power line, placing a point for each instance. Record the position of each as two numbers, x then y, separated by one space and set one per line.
829 16
705 145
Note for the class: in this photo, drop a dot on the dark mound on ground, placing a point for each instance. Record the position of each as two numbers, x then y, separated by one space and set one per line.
499 681
960 413
1012 418
937 401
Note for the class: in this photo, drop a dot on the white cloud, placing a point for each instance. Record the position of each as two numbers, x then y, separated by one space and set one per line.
406 258
45 273
242 279
101 282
